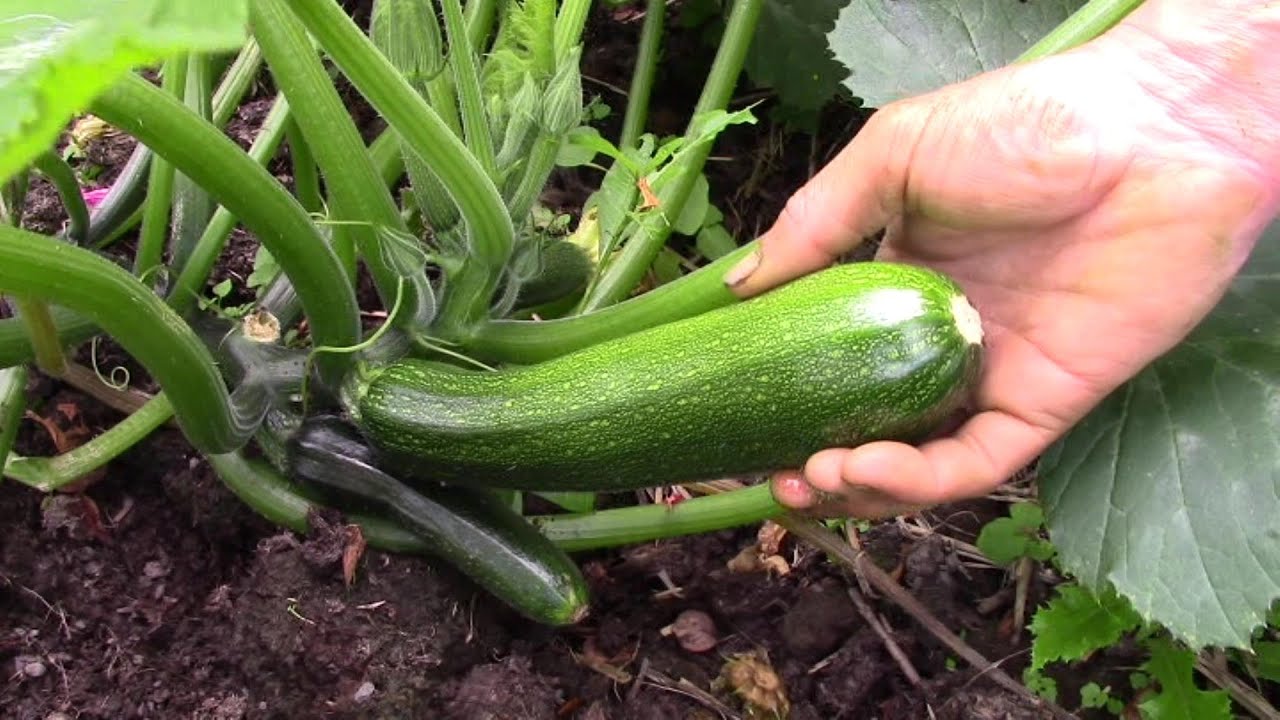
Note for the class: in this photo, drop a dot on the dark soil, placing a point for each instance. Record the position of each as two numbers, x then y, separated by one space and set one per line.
154 593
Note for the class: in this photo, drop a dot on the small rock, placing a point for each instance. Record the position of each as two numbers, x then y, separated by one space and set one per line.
155 569
364 692
694 630
34 669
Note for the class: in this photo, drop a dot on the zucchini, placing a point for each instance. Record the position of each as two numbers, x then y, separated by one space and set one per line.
471 529
562 274
854 353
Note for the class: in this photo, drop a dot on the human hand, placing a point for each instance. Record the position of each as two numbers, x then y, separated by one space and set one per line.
1091 218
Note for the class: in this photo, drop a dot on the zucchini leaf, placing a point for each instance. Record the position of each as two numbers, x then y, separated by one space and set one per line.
898 48
57 55
1168 489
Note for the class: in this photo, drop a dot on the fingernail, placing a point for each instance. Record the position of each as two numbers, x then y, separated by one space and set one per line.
743 269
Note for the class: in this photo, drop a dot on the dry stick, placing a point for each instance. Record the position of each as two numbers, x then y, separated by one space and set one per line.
1024 570
1213 665
904 663
826 541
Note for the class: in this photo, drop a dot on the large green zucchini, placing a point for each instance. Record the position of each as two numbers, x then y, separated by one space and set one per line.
854 353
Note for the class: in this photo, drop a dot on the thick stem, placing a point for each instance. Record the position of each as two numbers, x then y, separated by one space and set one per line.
637 115
254 196
43 334
156 214
38 267
466 81
541 161
192 206
16 348
58 172
263 489
626 270
204 256
306 177
236 81
51 473
480 18
569 24
356 195
527 342
480 203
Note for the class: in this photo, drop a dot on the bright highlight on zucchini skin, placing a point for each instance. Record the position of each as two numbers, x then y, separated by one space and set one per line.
856 353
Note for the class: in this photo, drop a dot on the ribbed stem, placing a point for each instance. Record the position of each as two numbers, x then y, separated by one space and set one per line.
51 473
58 172
192 206
191 281
489 226
466 82
38 267
157 212
13 404
251 194
569 24
355 193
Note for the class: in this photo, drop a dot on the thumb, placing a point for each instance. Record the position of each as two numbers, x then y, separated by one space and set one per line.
854 196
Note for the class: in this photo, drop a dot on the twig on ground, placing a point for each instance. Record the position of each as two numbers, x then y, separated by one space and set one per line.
1213 665
904 663
684 687
1024 570
828 542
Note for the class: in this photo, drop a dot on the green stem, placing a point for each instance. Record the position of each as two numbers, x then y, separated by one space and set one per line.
263 489
569 24
191 281
192 206
16 347
43 333
251 194
156 214
1085 24
626 270
13 404
51 473
480 203
236 81
528 342
541 162
58 172
359 202
13 198
480 17
637 115
466 80
306 177
38 267
646 523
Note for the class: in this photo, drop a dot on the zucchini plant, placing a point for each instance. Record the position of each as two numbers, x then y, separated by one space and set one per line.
506 360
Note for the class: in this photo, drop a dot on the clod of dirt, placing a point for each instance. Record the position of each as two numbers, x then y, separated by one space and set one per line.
750 677
694 630
505 690
819 621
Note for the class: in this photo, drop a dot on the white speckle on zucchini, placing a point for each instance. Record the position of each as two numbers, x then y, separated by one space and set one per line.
968 321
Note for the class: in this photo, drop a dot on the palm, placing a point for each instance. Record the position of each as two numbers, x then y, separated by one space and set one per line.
1090 241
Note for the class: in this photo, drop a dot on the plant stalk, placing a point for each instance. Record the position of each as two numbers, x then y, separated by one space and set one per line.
48 474
1091 20
192 206
251 194
488 224
569 25
627 269
157 212
58 172
13 404
43 334
356 195
38 267
466 81
633 123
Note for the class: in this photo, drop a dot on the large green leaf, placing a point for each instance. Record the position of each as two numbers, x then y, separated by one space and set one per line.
790 55
57 55
1169 489
898 48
